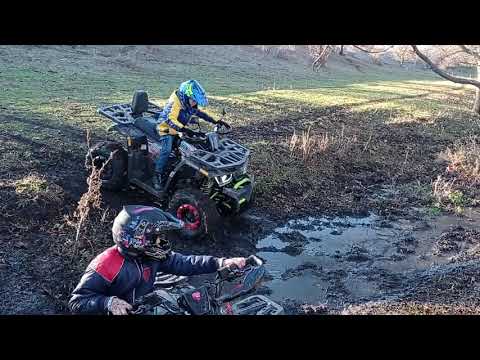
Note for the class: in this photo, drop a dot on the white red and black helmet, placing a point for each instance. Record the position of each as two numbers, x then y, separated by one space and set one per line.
142 231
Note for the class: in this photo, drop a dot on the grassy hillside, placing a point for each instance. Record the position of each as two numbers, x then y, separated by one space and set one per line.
363 112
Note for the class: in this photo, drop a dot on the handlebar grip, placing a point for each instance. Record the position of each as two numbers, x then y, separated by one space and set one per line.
224 272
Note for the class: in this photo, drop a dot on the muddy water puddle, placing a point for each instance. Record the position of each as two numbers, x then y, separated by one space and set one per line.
348 260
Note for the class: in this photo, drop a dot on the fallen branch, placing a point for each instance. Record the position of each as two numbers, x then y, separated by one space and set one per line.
92 197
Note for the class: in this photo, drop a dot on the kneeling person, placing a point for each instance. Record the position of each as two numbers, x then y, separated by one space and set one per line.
127 270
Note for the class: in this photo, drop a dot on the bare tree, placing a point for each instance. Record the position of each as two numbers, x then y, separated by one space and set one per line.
371 49
375 53
320 55
464 55
404 53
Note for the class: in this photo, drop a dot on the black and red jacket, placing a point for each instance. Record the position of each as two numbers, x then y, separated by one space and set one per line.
112 274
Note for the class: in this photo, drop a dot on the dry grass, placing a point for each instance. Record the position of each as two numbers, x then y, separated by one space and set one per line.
308 145
464 160
410 308
446 195
36 189
91 199
304 144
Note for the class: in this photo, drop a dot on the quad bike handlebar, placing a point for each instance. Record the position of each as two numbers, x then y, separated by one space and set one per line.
252 272
222 130
228 272
197 137
219 129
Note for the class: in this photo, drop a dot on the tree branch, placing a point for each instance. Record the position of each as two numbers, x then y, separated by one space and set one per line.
322 57
444 57
470 52
373 52
444 74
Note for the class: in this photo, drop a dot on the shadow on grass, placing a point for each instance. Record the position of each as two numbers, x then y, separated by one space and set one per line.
63 129
59 157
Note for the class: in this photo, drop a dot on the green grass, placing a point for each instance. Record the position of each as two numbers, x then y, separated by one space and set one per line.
60 88
63 90
31 185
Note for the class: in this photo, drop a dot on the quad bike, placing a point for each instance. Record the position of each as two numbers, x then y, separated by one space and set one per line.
174 296
205 178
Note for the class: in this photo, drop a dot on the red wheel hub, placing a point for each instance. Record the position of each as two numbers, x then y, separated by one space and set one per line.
190 215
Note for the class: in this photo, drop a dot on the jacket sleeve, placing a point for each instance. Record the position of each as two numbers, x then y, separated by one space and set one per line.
90 295
205 116
173 116
179 264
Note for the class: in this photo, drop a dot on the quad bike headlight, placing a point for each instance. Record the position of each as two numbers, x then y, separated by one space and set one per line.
223 180
241 170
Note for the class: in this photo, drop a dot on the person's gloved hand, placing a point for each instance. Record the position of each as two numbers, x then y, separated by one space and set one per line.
223 123
238 262
118 306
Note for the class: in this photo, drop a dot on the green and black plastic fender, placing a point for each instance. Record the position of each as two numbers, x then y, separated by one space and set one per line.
236 197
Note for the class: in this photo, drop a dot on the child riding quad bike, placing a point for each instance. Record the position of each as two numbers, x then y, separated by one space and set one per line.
204 179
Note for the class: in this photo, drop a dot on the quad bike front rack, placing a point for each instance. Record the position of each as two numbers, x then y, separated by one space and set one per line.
229 155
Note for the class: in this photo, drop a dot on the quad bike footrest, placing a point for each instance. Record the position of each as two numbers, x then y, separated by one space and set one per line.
257 305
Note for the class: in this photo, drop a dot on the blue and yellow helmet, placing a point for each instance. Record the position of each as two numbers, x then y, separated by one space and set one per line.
195 91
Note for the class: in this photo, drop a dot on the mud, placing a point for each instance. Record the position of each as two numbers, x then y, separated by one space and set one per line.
346 261
316 265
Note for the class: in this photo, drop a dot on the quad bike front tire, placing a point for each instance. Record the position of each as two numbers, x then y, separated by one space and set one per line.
114 175
198 212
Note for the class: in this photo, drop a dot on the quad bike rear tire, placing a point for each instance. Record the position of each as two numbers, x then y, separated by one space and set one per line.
198 211
114 175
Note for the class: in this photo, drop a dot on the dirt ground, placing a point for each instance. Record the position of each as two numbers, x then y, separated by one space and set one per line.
41 271
39 266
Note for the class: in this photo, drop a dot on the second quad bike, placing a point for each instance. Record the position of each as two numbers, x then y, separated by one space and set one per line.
205 178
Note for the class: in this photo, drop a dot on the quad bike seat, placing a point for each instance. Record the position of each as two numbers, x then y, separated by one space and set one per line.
139 106
139 103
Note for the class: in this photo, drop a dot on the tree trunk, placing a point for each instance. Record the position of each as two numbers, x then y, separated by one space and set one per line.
476 106
341 50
